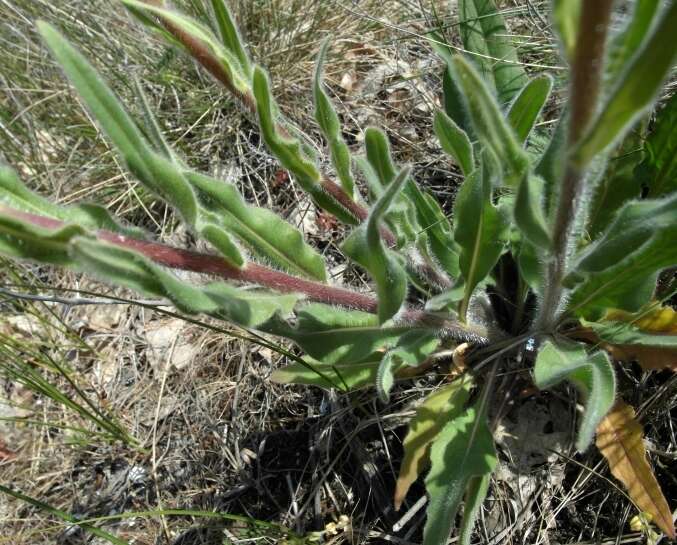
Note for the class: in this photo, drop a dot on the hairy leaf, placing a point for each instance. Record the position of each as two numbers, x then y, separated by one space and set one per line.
490 126
592 374
366 247
529 214
328 120
487 40
479 232
454 142
263 231
437 409
463 450
659 170
476 491
345 377
527 106
619 270
230 37
636 89
620 439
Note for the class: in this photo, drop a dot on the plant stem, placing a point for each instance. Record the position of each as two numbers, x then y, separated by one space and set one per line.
587 71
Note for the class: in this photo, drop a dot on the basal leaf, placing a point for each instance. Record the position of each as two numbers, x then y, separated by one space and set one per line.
440 407
566 16
479 233
488 42
528 104
476 491
636 88
462 451
592 374
490 125
454 142
328 120
552 164
411 350
620 439
659 170
619 270
529 214
346 377
366 247
263 231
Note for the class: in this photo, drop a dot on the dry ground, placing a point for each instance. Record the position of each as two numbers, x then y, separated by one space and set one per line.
170 414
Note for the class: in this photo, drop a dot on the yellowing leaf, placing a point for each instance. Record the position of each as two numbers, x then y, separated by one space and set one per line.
620 440
651 358
438 409
657 320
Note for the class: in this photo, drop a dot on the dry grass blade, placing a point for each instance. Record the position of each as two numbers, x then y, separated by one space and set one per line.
620 440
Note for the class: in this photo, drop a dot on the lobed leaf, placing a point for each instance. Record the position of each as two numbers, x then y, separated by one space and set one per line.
454 142
528 104
463 450
620 439
488 122
592 374
488 42
437 409
365 246
636 88
328 120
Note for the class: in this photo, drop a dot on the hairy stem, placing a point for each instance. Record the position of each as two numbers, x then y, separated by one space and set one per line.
587 71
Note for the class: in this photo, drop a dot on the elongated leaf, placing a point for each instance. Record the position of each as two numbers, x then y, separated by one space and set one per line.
479 232
552 164
345 377
230 35
263 231
490 126
328 120
659 170
592 374
378 154
484 32
617 332
229 59
411 350
151 125
529 214
437 409
620 439
654 319
528 104
454 142
620 269
566 16
636 89
628 40
476 491
366 247
463 450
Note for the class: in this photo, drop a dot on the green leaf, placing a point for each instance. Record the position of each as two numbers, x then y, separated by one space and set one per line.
659 170
484 33
411 350
222 241
366 247
529 214
552 164
566 16
624 333
474 497
437 409
345 377
454 142
479 233
15 194
636 89
328 120
229 59
592 374
336 336
490 126
230 36
378 154
463 450
628 40
152 128
619 270
527 106
263 231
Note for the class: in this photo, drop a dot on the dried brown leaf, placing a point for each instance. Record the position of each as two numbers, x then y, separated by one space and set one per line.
620 439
